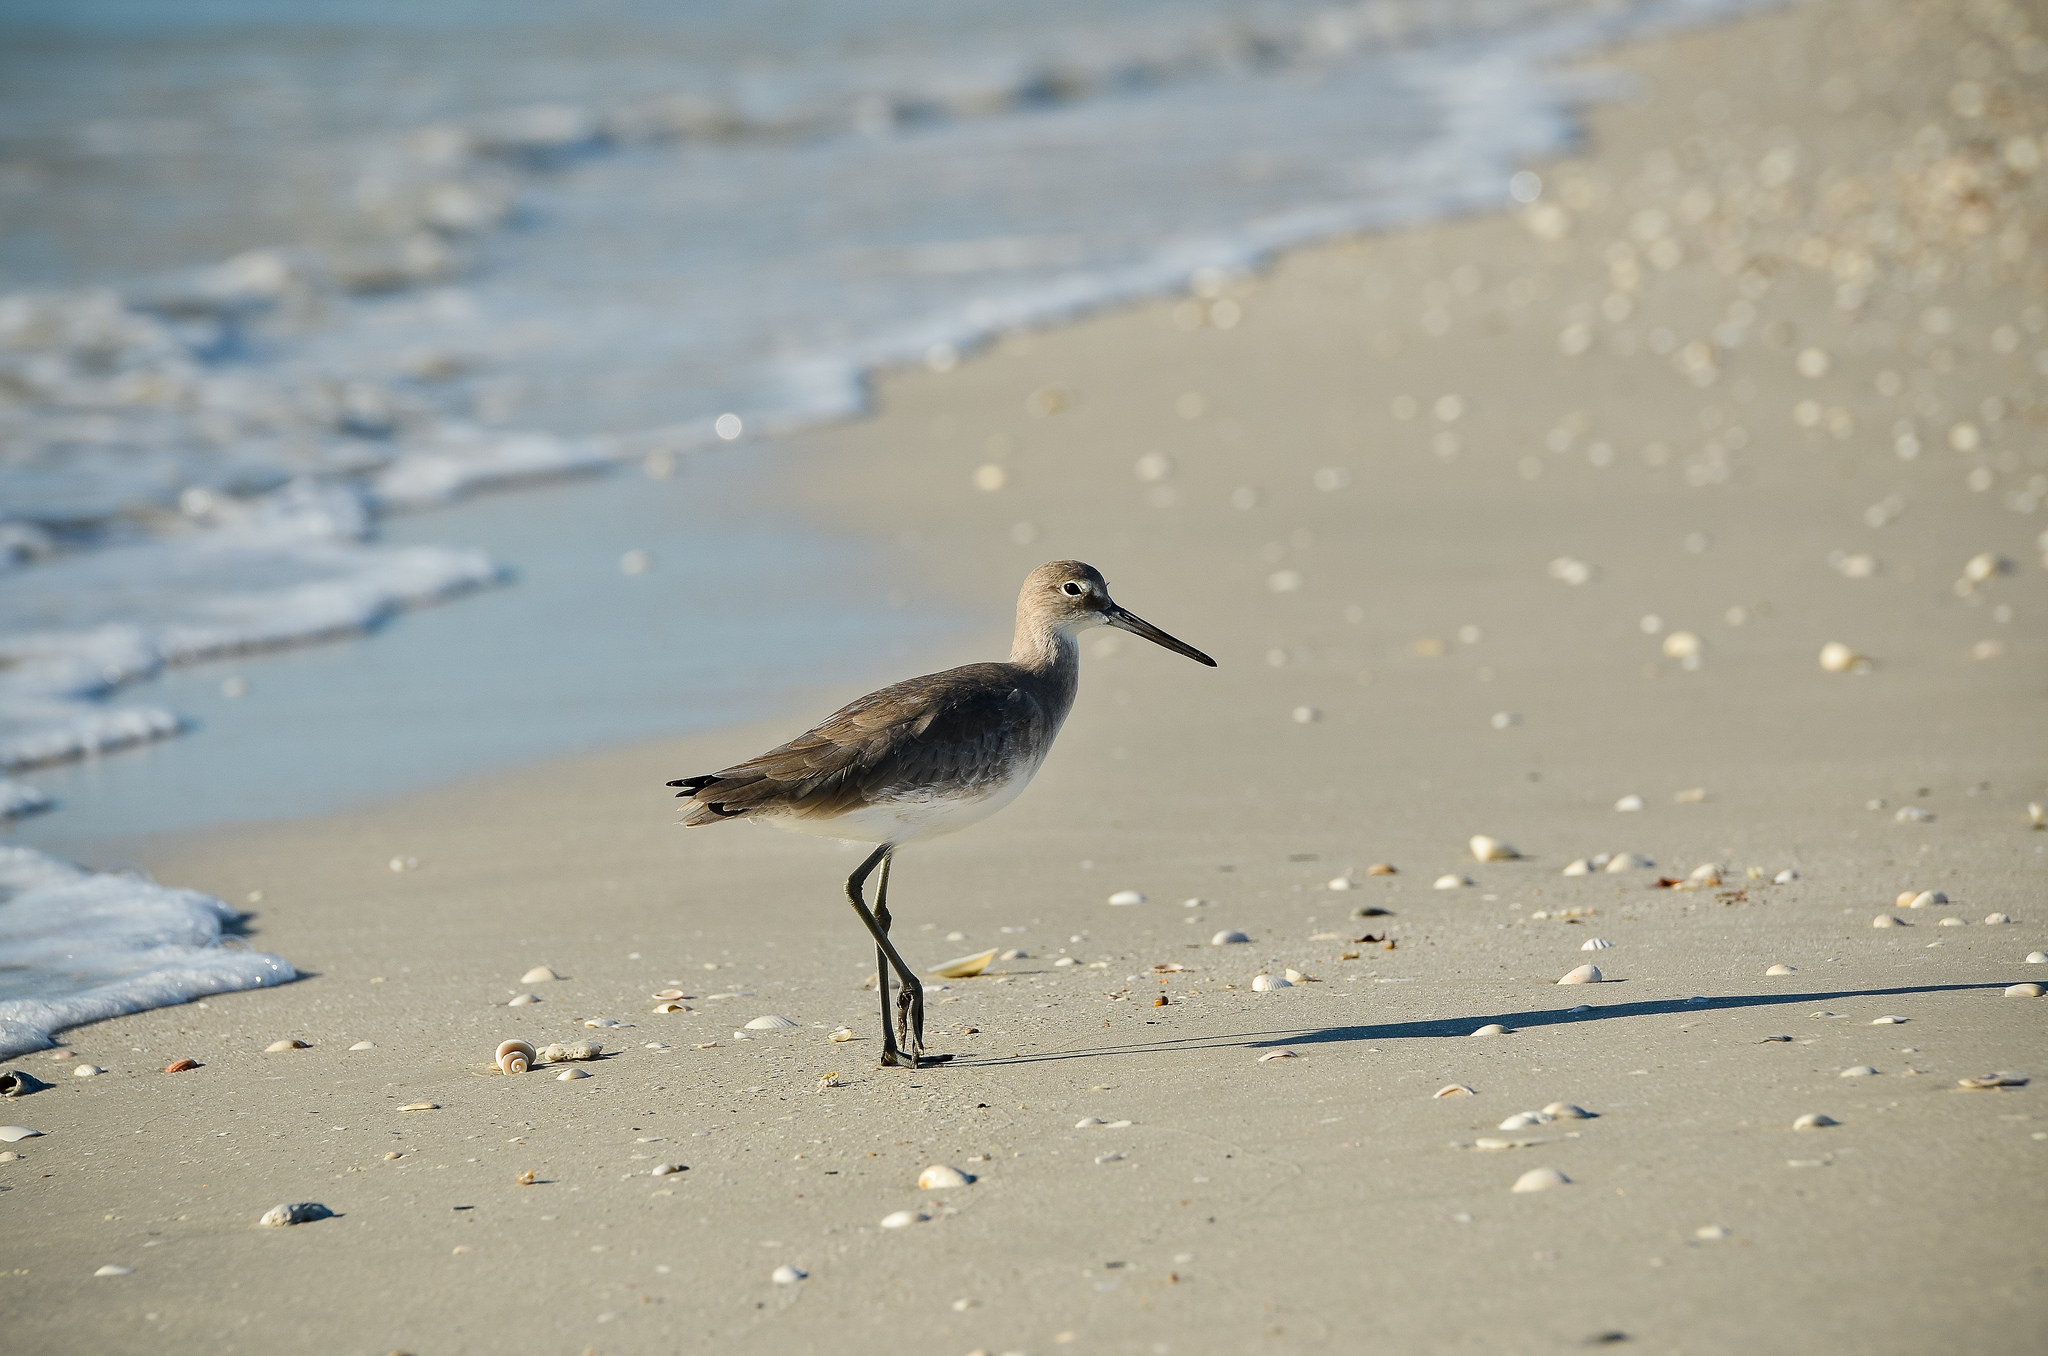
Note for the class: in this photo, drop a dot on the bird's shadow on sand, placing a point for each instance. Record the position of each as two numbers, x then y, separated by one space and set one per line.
1463 1027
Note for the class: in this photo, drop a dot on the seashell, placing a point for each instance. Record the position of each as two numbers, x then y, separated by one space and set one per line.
1086 1121
1341 883
1836 657
1910 900
1585 974
654 1045
1015 953
771 1022
1951 923
659 1169
364 1045
1381 869
1913 814
939 1176
2005 1078
524 1000
1682 646
15 1134
1579 867
181 1066
1710 1232
1629 861
901 1219
1998 918
1565 1111
1495 1144
670 1007
565 1075
2037 958
1888 1021
786 1275
539 974
1785 877
1596 944
421 1106
1814 1120
279 1047
1629 804
20 1082
1069 960
1706 876
1277 1054
515 1057
1127 897
1228 937
670 995
1522 1120
1540 1179
1984 565
1489 849
87 1071
1450 883
1491 1029
111 1270
604 1023
1859 1071
1108 1158
1885 920
525 1178
1782 970
2028 990
2037 814
1297 977
1262 983
10 1157
1454 1090
965 967
294 1212
574 1050
841 1036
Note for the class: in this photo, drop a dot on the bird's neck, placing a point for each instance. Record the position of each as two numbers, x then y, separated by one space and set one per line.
1050 655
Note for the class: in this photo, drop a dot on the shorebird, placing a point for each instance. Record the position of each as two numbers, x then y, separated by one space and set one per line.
925 757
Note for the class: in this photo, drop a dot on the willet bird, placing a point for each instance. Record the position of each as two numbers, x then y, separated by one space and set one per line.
927 756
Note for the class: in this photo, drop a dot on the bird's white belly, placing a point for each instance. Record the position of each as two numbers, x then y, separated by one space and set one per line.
910 819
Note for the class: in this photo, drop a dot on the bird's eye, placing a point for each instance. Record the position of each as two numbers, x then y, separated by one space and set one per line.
1072 589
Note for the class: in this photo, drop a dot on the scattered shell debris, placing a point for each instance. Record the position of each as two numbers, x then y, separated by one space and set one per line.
539 974
965 967
289 1213
1487 848
1540 1179
939 1176
1584 974
1814 1120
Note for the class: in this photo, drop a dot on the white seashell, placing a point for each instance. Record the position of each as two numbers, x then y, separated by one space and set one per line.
278 1047
364 1045
1066 960
573 1050
515 1057
1127 897
1785 877
524 1000
1015 953
654 1045
14 1134
1086 1121
1814 1120
1998 918
667 1169
10 1157
1496 1144
670 1007
1859 1071
1277 1054
1707 874
1540 1179
87 1071
539 974
1888 1021
1596 944
111 1270
841 1036
20 1083
1342 883
421 1106
1450 883
2005 1078
1296 977
770 1023
1710 1232
1565 1111
1629 804
1951 923
786 1275
1491 1029
604 1023
2037 958
1982 566
1913 814
1782 970
1629 861
1885 920
964 967
294 1212
1454 1090
565 1075
1580 867
1227 937
1585 974
1486 848
1261 983
938 1176
1522 1120
901 1219
1836 657
2028 990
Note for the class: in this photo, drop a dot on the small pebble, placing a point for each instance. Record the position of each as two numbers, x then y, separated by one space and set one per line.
1540 1179
1814 1120
10 1157
1629 804
1859 1071
2023 991
1228 937
1491 1029
294 1212
1341 883
1836 657
786 1275
1584 974
1782 970
1710 1231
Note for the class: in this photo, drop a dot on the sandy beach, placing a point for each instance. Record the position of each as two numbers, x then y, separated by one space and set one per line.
1495 527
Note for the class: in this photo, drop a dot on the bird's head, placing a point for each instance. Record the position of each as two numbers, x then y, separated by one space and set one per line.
1064 597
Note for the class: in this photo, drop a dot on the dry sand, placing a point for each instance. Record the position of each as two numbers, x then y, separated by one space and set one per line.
1325 1202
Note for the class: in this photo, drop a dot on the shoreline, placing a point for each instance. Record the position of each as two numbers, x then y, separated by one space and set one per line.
1406 662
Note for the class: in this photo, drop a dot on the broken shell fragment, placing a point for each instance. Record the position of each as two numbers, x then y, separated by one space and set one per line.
1454 1090
939 1176
110 1269
1578 867
278 1047
670 1006
1781 970
1596 944
364 1045
1785 877
1584 974
421 1106
1704 877
20 1083
1486 848
1952 923
965 967
1540 1179
2023 991
841 1036
1814 1120
1228 937
1340 883
664 1169
294 1212
1888 1021
523 1000
1449 882
1565 1111
515 1057
181 1066
1297 977
539 974
2037 958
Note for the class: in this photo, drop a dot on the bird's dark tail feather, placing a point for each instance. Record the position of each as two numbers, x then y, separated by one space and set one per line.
705 811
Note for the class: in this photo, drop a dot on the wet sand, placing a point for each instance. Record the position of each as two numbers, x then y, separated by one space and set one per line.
1402 667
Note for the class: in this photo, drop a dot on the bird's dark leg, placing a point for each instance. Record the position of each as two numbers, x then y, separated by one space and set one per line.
890 1037
911 983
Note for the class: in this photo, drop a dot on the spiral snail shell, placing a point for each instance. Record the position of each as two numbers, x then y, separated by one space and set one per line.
515 1057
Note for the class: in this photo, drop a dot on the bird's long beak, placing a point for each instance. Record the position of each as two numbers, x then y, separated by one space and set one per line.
1138 626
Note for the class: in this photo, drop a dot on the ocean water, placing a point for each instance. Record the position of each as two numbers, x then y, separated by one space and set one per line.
285 289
